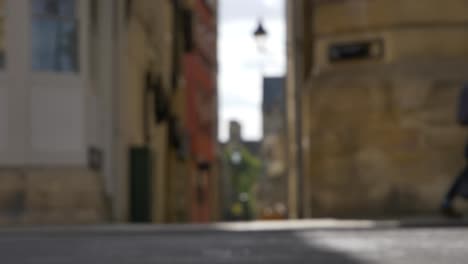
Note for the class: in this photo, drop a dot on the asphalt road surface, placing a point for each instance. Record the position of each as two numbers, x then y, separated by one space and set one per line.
159 245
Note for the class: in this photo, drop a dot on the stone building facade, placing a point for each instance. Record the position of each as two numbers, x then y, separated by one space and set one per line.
47 104
200 66
92 104
272 183
376 83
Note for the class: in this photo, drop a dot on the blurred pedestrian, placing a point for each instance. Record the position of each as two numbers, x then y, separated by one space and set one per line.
460 185
459 188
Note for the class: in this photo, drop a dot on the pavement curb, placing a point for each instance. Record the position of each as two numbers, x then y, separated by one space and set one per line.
292 225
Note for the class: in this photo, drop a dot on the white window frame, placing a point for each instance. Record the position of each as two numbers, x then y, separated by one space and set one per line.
76 82
22 87
81 74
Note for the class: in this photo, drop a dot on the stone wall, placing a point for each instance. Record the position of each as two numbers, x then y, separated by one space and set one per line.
51 196
148 38
383 147
382 139
333 17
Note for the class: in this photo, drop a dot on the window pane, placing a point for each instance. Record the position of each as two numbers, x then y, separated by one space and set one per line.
57 8
54 45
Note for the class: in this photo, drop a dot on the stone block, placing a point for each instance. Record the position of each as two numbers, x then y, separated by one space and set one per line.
51 196
12 195
376 160
351 15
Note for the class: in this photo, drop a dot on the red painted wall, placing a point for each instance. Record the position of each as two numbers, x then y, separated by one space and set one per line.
201 96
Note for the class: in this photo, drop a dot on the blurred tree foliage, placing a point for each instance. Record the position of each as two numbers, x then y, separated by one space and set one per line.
245 169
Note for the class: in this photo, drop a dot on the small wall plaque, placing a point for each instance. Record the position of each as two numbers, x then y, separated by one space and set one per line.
358 50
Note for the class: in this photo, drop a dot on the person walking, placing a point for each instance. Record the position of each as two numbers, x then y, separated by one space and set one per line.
460 186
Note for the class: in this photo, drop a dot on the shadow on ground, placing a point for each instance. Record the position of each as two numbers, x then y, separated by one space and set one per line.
164 247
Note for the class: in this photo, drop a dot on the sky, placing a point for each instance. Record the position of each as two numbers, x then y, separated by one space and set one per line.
241 65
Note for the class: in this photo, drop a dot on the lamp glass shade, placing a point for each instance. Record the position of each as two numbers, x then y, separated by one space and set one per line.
261 35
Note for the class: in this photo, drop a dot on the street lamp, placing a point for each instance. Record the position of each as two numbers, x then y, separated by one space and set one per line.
260 35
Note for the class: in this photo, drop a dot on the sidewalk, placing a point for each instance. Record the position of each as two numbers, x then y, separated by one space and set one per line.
289 225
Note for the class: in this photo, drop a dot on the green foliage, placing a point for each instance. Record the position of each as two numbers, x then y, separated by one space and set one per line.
245 173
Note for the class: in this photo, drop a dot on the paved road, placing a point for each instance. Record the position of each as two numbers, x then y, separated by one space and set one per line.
141 246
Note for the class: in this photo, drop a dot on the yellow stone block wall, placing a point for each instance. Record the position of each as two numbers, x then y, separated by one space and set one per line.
147 37
357 15
149 46
382 135
382 146
51 196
